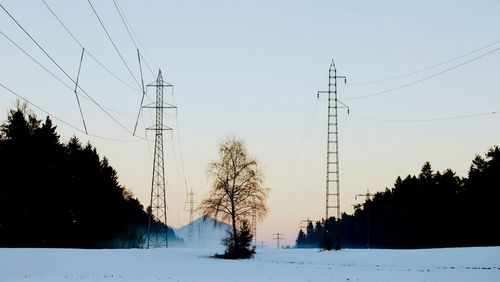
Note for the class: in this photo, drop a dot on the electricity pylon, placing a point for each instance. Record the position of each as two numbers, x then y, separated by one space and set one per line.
278 237
191 202
332 155
368 196
254 225
157 230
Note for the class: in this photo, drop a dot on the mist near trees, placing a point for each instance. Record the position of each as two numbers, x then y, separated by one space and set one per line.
56 194
429 210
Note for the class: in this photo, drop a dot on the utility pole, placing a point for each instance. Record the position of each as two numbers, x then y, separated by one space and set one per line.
332 155
157 231
367 196
191 202
278 237
262 244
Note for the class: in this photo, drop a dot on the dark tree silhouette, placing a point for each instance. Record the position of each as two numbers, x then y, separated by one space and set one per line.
433 209
61 195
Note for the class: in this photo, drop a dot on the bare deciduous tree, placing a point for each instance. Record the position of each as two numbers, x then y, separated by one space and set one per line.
237 190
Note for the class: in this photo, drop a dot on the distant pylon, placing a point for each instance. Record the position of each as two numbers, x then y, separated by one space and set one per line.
332 155
157 232
191 202
254 225
262 244
368 197
278 237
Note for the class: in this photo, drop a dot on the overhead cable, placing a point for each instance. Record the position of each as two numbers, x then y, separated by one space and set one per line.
113 43
86 50
425 68
130 31
62 120
50 72
429 119
378 93
59 66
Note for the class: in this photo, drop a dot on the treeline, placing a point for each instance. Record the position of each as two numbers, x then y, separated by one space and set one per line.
55 194
432 209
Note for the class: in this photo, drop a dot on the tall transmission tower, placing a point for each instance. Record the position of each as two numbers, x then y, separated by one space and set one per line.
157 231
190 201
332 155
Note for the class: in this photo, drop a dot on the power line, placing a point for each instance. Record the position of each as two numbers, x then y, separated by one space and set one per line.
176 163
41 109
130 31
63 25
304 137
474 12
125 24
48 71
441 26
39 46
426 68
422 79
59 66
430 119
180 150
86 50
62 120
147 65
113 43
34 60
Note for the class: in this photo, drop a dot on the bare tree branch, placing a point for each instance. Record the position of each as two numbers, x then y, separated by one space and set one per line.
237 189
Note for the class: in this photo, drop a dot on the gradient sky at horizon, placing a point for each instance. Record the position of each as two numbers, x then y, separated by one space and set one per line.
251 69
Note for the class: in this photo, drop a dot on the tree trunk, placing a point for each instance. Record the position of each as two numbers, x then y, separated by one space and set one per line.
233 219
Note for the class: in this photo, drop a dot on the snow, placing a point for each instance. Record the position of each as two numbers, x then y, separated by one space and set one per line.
184 264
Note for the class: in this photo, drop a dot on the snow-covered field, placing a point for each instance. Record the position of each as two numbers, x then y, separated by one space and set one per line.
460 264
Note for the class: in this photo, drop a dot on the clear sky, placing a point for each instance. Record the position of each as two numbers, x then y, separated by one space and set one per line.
252 69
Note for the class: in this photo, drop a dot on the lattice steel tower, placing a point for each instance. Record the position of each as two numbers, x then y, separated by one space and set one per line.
332 155
254 225
157 232
191 202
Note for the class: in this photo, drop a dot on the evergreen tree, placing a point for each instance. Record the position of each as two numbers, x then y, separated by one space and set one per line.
61 195
433 209
238 246
301 241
